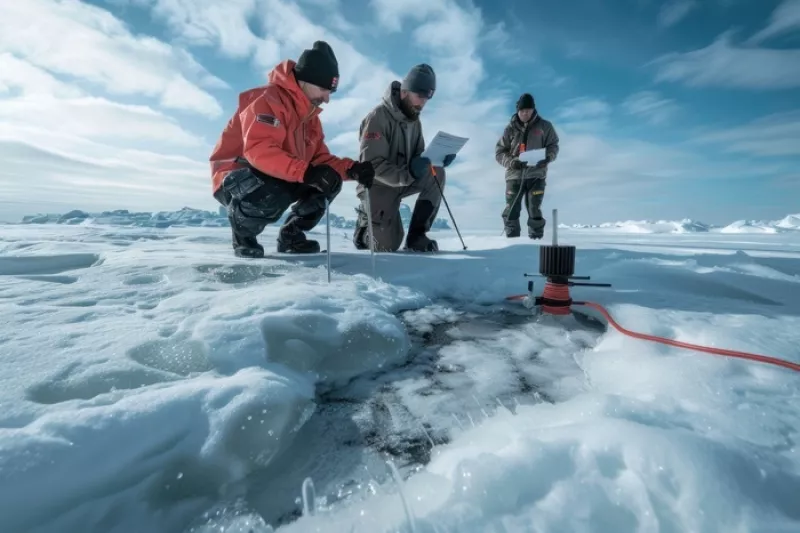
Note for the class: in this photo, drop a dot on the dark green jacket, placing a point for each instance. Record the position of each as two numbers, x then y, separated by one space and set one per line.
538 134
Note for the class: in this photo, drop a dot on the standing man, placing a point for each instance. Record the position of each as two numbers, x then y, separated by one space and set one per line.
272 153
526 131
391 140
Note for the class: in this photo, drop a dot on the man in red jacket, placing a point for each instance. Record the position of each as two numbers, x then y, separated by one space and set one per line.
272 154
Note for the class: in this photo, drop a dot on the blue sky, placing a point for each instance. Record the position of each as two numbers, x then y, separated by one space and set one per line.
666 110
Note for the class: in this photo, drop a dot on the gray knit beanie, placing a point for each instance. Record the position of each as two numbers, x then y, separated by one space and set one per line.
421 80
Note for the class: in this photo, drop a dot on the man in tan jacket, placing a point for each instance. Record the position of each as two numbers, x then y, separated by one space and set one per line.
391 139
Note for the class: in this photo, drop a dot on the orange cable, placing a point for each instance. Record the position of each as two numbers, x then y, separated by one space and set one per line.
559 292
680 344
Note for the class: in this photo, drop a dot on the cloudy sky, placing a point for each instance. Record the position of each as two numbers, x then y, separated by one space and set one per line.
666 110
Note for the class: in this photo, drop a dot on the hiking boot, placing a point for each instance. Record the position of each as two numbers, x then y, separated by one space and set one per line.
512 228
292 240
421 218
536 228
247 247
420 243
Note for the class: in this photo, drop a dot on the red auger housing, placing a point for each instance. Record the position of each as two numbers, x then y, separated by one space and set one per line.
557 265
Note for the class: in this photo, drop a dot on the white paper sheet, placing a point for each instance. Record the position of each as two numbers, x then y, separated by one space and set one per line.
442 145
532 156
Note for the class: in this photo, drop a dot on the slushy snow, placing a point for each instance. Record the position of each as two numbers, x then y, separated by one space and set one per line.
154 382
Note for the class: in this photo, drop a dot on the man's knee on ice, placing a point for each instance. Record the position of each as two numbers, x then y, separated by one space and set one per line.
387 237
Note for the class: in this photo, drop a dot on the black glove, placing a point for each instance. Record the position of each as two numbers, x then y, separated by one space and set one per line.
362 172
323 178
542 163
516 164
449 158
420 168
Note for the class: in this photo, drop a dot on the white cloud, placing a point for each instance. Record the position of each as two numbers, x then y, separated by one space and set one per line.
584 113
210 23
674 11
19 75
90 152
724 64
650 106
63 137
159 164
584 107
90 118
774 135
784 19
71 38
104 177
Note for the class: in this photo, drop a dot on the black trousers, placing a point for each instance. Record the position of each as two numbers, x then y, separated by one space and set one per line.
531 192
254 200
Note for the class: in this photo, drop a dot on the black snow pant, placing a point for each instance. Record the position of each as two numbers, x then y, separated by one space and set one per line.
387 226
253 200
531 192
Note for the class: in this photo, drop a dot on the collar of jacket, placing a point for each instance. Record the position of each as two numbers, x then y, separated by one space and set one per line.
391 101
283 76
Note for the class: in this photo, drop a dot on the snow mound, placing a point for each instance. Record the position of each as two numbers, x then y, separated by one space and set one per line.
135 384
750 226
789 222
647 226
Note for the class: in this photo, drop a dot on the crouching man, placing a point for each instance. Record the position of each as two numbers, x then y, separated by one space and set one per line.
272 155
526 131
391 140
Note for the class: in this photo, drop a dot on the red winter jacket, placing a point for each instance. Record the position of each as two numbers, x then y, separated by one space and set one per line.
277 130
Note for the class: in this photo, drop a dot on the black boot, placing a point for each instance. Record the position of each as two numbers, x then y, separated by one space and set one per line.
421 218
247 247
536 228
419 242
512 228
292 240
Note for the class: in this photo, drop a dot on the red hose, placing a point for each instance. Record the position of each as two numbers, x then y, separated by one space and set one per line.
699 348
555 292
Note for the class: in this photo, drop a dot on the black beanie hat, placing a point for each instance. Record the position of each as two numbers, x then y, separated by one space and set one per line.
318 66
421 80
525 102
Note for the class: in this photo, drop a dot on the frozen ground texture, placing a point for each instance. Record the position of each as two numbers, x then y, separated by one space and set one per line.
153 382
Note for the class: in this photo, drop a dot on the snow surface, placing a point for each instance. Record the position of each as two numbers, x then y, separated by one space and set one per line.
153 382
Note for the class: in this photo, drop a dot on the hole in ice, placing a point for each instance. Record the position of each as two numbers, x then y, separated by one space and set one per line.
235 274
465 363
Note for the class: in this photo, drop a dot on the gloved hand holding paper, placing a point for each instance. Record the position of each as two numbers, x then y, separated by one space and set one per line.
442 145
532 156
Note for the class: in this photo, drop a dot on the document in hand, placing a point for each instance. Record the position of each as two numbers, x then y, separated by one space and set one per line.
532 156
442 145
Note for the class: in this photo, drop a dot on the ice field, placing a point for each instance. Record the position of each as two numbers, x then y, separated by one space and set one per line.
153 382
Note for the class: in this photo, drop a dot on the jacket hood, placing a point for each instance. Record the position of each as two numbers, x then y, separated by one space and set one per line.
391 101
283 76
